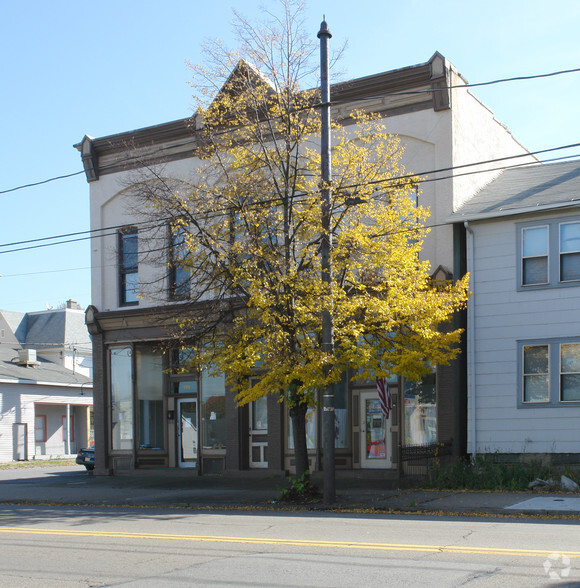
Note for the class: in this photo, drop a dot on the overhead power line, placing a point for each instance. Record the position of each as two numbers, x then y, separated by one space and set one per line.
467 85
41 242
411 92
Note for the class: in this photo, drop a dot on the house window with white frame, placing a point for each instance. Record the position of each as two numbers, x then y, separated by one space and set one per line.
550 373
570 372
535 255
536 373
549 254
569 252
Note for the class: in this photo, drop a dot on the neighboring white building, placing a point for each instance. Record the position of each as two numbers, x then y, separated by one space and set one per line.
523 253
443 127
59 335
46 396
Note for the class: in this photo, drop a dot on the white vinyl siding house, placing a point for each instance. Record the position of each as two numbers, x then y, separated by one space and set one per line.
36 413
46 395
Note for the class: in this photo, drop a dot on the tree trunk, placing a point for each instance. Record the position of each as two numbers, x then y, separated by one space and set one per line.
298 416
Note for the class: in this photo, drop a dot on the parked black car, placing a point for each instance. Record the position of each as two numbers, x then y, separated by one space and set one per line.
86 457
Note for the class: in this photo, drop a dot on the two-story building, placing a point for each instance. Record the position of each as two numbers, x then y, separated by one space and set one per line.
150 415
523 334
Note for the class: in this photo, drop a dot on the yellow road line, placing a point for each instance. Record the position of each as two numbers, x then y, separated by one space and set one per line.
294 542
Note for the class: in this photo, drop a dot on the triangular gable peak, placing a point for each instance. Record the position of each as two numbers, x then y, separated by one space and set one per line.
244 76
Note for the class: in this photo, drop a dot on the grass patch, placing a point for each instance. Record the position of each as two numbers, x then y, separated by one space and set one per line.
37 463
488 472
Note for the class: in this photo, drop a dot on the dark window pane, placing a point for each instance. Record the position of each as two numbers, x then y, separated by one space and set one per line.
128 267
189 387
180 282
179 273
129 245
536 359
535 271
569 267
570 387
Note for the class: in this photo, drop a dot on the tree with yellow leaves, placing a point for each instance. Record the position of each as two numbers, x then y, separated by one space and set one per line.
249 233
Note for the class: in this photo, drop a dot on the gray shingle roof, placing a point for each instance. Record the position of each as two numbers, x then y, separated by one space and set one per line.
523 190
48 328
44 371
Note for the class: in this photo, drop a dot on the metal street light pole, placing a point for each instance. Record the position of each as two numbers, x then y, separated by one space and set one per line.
325 247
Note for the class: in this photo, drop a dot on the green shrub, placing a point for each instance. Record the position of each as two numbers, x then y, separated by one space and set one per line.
301 490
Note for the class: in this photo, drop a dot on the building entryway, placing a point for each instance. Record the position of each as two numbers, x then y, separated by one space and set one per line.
187 432
258 417
375 448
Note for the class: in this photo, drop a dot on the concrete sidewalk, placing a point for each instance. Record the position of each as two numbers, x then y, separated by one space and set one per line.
72 485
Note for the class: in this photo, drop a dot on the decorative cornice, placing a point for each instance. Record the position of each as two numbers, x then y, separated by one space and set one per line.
383 93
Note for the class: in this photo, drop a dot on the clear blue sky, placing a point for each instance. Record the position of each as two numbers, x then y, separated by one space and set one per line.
71 68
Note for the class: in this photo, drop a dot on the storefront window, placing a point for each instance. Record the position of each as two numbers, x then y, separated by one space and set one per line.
121 399
213 394
183 361
341 414
149 366
421 411
310 430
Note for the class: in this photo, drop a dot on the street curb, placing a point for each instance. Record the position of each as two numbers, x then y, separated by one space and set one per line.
338 509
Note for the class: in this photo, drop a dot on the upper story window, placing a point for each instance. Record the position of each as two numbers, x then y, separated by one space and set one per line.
535 255
569 252
179 275
549 372
128 266
549 254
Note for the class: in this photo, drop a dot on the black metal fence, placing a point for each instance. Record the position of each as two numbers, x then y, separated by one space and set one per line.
417 460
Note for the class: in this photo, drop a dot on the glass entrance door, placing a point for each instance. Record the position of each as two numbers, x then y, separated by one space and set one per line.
187 432
259 433
375 449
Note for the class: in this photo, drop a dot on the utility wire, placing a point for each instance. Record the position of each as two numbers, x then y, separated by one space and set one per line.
342 188
217 213
191 141
63 235
429 226
467 85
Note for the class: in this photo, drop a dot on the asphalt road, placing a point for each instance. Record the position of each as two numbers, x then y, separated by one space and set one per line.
104 546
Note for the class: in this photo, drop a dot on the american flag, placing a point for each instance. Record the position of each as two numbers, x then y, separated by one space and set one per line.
384 396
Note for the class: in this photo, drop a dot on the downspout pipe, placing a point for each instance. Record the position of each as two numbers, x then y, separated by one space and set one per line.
471 400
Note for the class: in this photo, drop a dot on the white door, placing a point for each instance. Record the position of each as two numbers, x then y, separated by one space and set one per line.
375 429
20 438
187 437
258 432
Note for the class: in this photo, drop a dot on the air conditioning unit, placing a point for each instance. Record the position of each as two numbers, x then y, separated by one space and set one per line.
27 357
